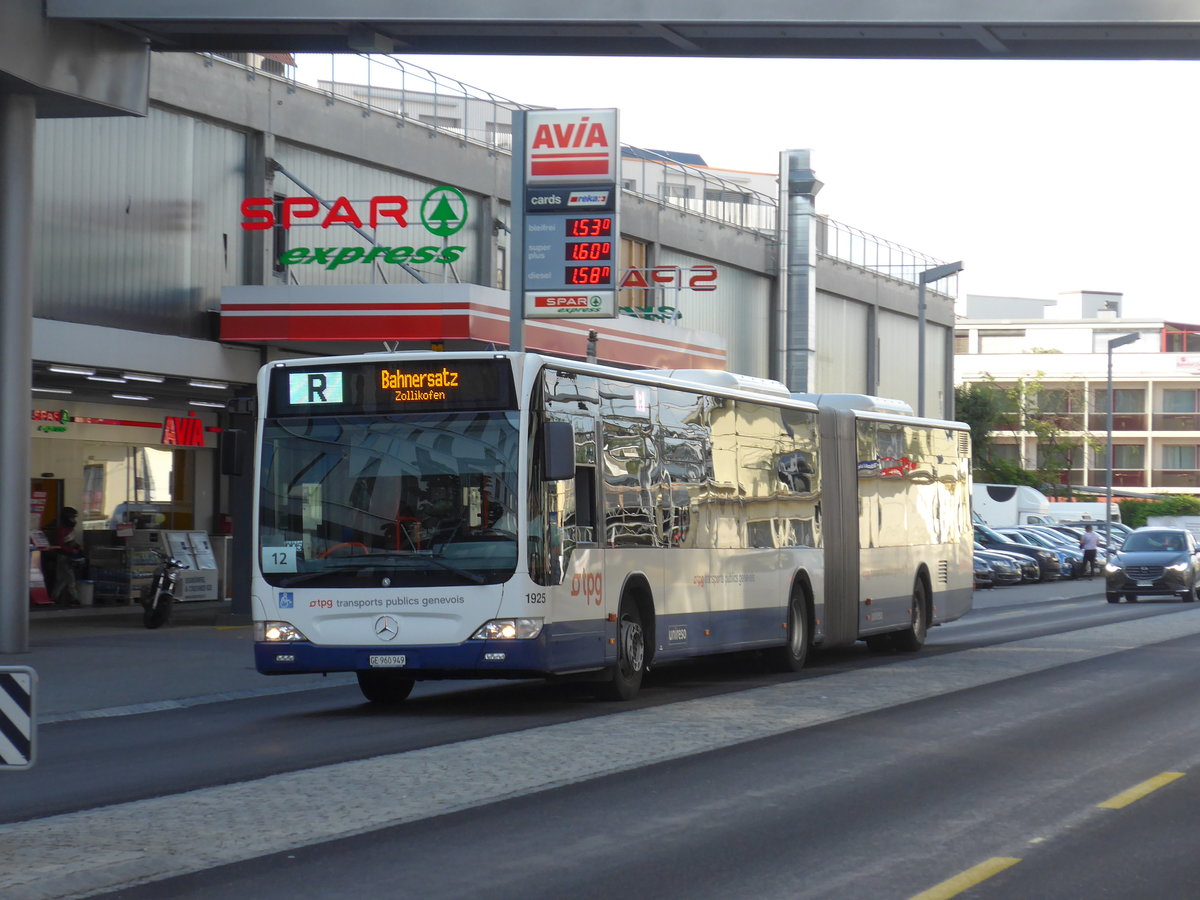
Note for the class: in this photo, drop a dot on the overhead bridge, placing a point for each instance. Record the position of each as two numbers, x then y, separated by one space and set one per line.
929 29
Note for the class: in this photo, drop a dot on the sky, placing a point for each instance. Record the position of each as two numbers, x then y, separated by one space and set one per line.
1041 177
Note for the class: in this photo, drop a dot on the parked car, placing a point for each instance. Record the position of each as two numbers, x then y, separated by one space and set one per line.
1120 531
1026 568
1049 567
1154 562
1007 568
1072 542
984 577
1070 559
1054 538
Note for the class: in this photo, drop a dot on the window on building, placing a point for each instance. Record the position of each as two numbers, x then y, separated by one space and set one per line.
1003 340
719 196
1054 400
678 191
962 343
1180 456
1125 456
1177 340
1009 452
1178 401
633 256
502 268
1059 456
1125 400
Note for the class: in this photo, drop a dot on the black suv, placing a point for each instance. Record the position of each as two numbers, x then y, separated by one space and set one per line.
1154 562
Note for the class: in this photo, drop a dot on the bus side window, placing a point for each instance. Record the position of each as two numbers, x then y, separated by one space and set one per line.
585 504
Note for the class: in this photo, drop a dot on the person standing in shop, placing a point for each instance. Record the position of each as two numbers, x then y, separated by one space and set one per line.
68 556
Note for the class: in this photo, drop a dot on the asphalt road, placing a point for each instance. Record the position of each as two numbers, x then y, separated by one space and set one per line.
866 775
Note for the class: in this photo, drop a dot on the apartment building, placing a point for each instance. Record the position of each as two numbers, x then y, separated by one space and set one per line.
1057 352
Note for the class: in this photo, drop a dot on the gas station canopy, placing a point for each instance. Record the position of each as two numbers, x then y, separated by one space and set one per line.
929 29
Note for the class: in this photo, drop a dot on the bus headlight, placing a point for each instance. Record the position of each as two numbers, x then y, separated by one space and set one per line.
277 632
508 630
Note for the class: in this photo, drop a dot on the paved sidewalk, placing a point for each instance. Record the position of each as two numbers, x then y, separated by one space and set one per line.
101 661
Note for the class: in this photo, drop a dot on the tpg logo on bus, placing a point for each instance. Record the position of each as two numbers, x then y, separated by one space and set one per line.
571 145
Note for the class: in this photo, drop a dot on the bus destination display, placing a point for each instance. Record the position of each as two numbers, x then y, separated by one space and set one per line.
391 386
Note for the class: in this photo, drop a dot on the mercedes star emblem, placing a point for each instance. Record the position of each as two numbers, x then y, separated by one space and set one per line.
386 628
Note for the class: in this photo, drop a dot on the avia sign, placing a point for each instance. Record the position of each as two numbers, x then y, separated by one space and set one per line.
578 145
442 213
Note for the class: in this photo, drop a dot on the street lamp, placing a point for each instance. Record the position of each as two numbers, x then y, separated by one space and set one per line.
1112 345
937 273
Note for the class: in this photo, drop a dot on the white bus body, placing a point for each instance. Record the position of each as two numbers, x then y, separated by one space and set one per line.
513 515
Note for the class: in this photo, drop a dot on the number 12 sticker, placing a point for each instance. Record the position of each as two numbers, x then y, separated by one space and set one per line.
279 559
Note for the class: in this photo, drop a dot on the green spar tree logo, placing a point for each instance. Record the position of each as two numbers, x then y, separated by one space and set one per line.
444 211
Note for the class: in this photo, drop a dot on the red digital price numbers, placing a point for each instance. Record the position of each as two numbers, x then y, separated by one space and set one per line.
594 227
589 275
590 250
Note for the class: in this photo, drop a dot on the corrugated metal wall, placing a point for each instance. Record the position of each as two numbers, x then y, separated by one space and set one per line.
739 310
898 358
332 177
842 351
136 221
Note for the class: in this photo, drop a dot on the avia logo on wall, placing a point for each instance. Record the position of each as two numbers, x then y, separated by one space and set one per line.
179 431
443 212
700 278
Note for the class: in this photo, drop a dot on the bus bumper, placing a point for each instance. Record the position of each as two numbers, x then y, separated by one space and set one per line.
472 659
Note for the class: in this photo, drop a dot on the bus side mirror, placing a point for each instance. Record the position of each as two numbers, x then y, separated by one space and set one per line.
233 449
558 451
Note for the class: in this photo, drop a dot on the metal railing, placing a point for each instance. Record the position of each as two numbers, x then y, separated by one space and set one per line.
869 251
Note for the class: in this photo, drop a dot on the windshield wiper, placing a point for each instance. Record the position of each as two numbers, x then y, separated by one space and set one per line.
312 576
428 556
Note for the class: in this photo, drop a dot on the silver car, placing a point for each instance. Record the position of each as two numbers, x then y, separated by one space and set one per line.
1154 562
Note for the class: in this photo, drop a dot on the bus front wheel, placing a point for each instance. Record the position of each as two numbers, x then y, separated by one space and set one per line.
912 638
384 688
631 654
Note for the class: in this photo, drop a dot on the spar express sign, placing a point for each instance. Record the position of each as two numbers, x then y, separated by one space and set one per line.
439 215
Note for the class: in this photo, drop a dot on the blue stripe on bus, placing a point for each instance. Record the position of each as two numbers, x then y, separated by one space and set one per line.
563 647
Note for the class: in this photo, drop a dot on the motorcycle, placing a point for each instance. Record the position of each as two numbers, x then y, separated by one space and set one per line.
159 595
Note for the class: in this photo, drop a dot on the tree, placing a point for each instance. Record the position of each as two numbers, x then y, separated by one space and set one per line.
1024 407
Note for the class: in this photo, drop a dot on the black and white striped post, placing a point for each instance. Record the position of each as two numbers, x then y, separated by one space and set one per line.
18 730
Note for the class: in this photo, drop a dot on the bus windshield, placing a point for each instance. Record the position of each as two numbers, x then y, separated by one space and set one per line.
408 500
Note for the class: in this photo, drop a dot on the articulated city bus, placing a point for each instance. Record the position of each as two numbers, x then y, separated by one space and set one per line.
449 515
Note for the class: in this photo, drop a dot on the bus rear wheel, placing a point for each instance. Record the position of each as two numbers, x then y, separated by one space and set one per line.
912 638
631 654
385 688
791 656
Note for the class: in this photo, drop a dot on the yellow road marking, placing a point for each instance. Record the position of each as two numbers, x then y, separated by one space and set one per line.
952 887
1138 791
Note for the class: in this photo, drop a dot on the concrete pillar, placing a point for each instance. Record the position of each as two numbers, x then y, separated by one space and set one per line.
18 117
